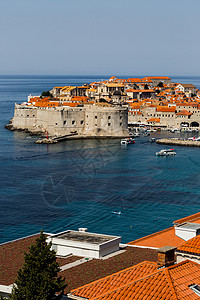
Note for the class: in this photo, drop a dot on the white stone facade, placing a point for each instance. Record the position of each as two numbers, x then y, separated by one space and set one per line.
90 120
84 244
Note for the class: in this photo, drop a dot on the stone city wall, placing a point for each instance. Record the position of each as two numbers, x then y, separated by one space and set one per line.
90 120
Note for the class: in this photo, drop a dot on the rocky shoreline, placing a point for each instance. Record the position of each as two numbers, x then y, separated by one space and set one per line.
10 127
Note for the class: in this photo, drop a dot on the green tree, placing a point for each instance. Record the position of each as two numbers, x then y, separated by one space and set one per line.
37 279
160 84
46 94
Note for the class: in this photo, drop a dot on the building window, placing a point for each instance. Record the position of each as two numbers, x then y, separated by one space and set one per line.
109 124
64 123
95 117
120 117
73 122
120 124
109 117
82 122
56 123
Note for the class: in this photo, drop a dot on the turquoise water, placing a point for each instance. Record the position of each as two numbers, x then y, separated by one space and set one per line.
79 183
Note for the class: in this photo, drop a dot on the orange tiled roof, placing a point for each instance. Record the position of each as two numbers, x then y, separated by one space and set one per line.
133 79
191 246
159 239
154 120
115 280
142 91
192 219
170 283
184 113
166 109
71 104
138 113
159 77
135 105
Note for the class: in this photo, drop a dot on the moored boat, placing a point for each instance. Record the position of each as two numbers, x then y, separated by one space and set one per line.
152 140
166 152
128 141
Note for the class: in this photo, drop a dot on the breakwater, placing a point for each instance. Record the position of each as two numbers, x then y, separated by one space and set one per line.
179 142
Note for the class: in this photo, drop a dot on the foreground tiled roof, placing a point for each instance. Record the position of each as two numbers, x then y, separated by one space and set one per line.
191 246
170 283
159 239
12 258
115 280
96 269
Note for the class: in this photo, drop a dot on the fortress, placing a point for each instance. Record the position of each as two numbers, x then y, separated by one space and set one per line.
87 121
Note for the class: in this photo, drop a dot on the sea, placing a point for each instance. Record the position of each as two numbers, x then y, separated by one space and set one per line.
80 183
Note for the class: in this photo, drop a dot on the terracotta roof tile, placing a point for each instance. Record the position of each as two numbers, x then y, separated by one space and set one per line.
184 113
191 246
159 239
166 108
170 283
155 286
157 120
115 280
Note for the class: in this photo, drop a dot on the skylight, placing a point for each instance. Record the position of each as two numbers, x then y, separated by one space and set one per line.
195 288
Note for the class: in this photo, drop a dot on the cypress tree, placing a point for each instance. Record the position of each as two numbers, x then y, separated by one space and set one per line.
37 279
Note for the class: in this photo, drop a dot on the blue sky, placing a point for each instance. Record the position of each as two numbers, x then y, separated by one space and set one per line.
143 37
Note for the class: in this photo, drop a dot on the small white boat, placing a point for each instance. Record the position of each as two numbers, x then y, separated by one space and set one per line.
166 152
136 134
124 142
117 212
128 141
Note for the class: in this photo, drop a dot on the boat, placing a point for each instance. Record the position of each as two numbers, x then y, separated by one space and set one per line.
166 152
124 142
136 134
152 140
128 141
146 133
117 212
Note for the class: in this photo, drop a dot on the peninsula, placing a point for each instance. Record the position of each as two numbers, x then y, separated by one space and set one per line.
107 108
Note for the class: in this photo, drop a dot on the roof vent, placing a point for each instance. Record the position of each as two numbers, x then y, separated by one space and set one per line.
82 229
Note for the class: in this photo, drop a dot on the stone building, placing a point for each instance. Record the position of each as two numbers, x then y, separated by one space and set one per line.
90 120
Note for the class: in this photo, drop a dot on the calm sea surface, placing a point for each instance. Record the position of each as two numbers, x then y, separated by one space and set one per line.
79 183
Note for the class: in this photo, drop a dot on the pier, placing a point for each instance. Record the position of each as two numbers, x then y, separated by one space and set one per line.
56 139
179 142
